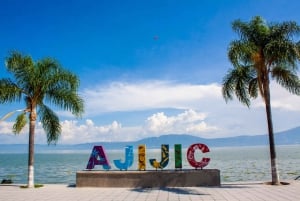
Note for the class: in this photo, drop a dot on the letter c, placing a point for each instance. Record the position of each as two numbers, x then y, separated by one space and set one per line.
190 155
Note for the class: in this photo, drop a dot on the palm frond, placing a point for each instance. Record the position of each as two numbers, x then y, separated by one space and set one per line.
20 123
22 68
287 79
253 88
279 51
236 82
255 32
284 30
228 86
241 52
39 82
50 122
67 100
9 91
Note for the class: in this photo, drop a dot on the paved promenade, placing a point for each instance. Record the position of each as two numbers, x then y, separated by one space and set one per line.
231 192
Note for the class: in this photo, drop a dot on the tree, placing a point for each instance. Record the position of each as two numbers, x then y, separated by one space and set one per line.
38 83
263 52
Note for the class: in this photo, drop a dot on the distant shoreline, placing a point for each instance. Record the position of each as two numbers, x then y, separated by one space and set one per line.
71 149
288 137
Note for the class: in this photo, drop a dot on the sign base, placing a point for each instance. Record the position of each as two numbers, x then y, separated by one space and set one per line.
147 179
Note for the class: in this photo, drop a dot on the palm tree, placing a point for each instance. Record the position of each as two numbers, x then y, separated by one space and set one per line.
263 51
38 83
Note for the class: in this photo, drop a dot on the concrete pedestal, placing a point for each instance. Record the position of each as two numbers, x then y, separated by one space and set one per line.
144 179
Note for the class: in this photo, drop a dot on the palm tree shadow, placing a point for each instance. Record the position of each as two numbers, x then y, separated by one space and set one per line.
71 185
175 190
235 186
187 190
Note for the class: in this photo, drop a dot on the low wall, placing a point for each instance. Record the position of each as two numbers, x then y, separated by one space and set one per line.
144 179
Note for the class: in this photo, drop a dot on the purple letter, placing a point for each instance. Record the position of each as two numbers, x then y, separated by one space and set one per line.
98 151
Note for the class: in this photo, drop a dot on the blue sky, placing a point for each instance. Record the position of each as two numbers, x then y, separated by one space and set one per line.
147 68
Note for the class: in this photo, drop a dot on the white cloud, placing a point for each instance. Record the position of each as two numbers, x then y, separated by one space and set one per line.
146 95
6 127
187 122
281 99
74 132
200 110
158 94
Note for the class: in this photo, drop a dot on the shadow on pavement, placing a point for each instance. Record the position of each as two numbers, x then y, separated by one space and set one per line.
176 190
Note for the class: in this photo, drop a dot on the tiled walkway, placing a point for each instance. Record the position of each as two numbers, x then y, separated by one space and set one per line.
230 192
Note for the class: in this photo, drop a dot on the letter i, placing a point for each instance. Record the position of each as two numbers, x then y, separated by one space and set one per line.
178 156
142 157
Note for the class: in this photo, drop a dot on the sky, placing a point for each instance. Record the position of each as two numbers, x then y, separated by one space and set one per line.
146 68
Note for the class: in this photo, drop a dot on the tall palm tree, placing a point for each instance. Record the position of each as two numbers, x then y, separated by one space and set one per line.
38 83
263 51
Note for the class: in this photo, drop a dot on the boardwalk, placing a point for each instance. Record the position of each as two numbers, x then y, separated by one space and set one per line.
231 192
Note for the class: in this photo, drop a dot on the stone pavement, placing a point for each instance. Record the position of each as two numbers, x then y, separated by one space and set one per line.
230 192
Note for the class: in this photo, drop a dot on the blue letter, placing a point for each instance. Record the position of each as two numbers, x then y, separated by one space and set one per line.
128 159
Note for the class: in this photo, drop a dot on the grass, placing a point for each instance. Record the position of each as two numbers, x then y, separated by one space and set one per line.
35 186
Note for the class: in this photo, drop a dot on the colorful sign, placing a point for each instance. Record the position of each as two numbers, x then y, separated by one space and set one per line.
98 151
190 155
164 158
128 159
98 157
178 156
142 157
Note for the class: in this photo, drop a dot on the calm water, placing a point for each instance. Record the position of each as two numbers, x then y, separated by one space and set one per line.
235 164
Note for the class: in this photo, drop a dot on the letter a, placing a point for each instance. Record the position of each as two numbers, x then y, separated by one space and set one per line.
98 151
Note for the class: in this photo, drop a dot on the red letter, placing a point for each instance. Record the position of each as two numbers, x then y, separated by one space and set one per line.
190 155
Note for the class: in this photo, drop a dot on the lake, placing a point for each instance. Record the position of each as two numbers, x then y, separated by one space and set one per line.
236 163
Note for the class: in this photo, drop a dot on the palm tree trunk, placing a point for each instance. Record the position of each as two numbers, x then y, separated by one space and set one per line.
274 172
31 149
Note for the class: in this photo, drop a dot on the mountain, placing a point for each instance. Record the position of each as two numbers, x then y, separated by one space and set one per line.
288 137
